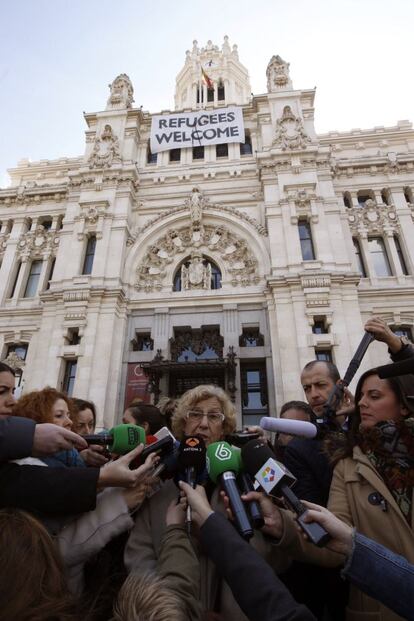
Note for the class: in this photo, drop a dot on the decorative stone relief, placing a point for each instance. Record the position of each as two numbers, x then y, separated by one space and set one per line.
290 133
197 275
105 151
91 217
392 164
38 244
122 93
196 202
277 74
4 238
242 265
14 361
372 218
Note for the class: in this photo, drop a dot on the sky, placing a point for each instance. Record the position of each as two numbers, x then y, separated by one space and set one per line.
57 58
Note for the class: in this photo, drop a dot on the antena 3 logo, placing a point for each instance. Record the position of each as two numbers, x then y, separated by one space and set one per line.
268 474
193 442
222 452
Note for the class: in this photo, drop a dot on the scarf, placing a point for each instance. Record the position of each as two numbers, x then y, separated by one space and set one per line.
389 446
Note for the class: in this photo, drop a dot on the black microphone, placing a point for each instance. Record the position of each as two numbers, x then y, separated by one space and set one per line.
192 461
223 464
246 485
405 367
276 480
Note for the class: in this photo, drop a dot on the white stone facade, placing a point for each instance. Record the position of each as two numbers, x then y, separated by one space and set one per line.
241 212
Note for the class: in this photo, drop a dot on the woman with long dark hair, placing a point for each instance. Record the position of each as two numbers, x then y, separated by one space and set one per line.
372 484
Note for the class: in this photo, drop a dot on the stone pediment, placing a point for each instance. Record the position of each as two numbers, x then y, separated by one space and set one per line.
196 204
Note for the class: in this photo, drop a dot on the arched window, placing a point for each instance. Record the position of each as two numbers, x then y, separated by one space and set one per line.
215 282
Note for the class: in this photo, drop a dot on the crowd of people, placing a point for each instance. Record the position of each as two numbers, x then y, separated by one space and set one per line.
86 534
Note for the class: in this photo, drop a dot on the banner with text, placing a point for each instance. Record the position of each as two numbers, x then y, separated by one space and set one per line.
194 129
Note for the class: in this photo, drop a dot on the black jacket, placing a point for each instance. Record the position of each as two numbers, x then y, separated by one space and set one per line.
16 437
38 489
256 588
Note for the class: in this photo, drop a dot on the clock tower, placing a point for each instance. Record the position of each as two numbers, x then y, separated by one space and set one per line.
212 77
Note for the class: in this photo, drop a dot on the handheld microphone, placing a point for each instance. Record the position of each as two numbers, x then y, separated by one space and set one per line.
276 480
223 464
292 427
405 367
120 439
191 460
167 467
246 485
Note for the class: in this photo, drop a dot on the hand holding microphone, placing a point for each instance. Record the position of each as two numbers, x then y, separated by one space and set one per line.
191 462
276 480
223 465
120 440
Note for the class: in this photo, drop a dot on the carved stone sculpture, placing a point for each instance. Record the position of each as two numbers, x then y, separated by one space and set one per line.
197 275
277 73
105 150
122 92
290 133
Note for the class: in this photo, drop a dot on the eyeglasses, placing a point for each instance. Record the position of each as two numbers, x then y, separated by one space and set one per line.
213 417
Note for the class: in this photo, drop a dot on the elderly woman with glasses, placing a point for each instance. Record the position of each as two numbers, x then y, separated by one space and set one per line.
208 412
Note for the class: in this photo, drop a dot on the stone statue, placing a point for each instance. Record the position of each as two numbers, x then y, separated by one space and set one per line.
195 206
277 73
122 92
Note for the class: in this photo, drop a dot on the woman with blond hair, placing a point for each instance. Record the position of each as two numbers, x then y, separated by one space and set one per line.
207 411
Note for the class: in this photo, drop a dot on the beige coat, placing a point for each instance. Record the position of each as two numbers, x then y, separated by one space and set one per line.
144 547
354 480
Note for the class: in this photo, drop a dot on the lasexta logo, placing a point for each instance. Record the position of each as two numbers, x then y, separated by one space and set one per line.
268 474
222 452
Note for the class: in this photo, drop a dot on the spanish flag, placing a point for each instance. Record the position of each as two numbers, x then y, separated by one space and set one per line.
208 81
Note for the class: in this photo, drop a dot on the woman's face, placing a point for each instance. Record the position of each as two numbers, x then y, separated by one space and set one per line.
85 423
210 428
60 413
378 402
128 419
7 400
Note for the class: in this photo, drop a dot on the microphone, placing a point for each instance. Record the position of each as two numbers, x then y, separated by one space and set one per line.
276 480
246 485
191 460
223 464
405 367
292 427
120 439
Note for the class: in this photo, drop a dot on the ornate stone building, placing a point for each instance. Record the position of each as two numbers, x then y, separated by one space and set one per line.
235 263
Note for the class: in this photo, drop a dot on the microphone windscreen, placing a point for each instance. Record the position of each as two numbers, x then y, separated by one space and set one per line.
406 367
221 457
192 453
126 438
286 425
254 454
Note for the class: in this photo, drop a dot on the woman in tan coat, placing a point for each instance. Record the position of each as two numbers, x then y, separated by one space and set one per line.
207 411
372 485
